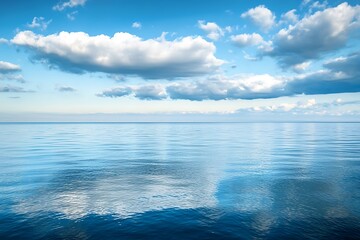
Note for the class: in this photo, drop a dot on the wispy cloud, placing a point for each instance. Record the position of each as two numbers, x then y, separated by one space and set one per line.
71 15
39 22
3 40
69 4
13 89
9 71
65 89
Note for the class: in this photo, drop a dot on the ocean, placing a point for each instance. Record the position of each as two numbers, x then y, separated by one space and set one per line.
179 180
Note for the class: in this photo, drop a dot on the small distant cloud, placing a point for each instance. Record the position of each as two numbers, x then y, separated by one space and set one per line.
243 40
150 92
65 89
6 67
69 4
116 92
214 32
116 77
39 22
12 77
301 67
261 16
8 71
71 16
308 107
289 17
13 89
3 40
136 25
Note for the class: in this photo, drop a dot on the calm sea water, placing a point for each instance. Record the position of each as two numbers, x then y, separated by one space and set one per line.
180 181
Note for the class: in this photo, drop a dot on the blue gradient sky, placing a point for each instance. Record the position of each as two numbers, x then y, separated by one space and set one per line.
240 60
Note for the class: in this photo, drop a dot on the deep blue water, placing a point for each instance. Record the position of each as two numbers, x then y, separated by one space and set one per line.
180 181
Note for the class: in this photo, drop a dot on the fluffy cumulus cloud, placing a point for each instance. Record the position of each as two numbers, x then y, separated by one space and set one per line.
315 35
39 22
214 32
260 16
69 4
122 54
243 40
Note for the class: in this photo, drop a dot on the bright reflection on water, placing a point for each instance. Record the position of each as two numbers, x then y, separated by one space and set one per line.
180 181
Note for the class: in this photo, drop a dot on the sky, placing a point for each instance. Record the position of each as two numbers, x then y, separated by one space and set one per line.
140 60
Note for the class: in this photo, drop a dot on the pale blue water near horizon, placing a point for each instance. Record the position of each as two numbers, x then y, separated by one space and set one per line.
180 181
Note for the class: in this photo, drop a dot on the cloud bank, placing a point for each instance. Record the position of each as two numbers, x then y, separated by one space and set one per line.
340 75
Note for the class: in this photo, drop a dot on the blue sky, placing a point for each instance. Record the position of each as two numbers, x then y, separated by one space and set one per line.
141 60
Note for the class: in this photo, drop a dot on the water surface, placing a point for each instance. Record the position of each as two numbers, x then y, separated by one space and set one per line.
180 181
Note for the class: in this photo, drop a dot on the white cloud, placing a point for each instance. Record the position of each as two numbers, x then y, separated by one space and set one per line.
71 16
6 67
12 77
122 54
316 34
150 92
305 2
70 4
8 70
3 40
39 22
214 32
228 29
300 67
215 88
116 92
307 107
136 25
145 92
260 16
290 17
222 87
318 6
243 40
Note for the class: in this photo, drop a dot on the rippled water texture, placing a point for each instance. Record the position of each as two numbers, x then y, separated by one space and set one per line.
180 181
